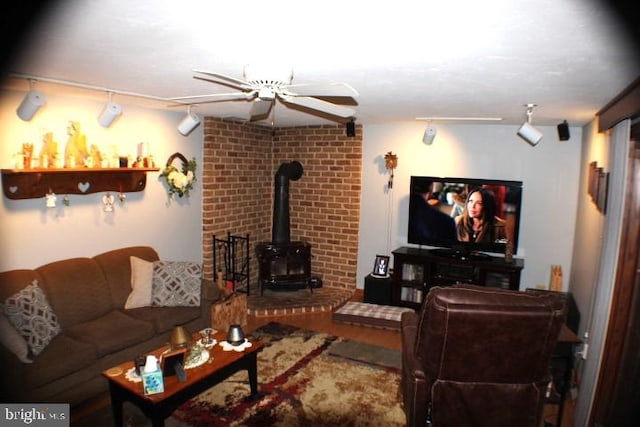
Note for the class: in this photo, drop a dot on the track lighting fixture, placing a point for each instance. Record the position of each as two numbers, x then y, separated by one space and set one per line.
429 135
31 103
527 131
110 112
189 123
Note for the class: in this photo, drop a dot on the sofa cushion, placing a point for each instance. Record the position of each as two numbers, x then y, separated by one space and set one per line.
13 341
31 315
76 289
63 356
117 269
112 332
165 318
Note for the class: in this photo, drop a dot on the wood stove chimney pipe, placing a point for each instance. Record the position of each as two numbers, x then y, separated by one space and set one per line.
281 232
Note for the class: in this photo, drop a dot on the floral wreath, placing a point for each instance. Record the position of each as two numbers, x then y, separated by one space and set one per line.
180 182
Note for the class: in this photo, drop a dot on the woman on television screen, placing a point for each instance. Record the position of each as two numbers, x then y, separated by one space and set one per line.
478 221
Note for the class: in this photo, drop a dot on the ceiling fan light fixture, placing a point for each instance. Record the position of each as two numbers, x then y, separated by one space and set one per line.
266 94
265 89
189 122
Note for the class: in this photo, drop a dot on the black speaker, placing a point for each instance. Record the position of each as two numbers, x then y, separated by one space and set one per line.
563 131
351 128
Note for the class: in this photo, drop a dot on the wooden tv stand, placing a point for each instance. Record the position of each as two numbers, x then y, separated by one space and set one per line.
416 270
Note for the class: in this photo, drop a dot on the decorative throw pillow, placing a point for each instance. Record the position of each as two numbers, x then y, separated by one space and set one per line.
176 283
30 314
141 278
12 340
164 284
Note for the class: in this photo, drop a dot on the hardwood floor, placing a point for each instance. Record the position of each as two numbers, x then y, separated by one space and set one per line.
322 322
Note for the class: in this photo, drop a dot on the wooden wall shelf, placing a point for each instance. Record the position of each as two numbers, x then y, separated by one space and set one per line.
35 183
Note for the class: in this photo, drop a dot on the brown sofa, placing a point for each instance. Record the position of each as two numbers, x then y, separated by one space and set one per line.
88 296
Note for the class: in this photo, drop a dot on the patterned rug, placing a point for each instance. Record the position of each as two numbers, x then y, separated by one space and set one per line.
305 379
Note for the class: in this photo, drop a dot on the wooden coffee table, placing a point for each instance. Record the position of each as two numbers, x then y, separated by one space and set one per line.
157 407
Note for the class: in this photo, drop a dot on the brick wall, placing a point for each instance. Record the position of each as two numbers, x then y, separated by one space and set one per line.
240 161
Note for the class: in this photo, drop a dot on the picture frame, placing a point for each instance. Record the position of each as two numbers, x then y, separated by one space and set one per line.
592 179
168 361
381 266
603 189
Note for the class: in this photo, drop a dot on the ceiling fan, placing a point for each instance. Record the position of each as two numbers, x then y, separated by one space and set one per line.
264 90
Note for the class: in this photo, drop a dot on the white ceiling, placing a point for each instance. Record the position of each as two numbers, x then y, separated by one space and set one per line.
406 59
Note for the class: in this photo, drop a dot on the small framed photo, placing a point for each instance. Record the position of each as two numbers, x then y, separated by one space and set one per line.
169 360
381 266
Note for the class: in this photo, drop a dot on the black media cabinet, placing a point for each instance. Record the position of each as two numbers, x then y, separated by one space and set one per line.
416 270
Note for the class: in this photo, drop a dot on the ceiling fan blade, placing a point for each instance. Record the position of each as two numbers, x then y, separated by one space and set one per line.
260 109
322 89
217 97
319 105
222 79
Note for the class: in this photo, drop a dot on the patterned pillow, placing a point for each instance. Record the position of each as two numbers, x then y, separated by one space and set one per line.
30 314
141 277
176 283
11 339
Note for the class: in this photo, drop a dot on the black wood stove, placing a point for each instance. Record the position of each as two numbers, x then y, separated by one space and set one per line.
283 264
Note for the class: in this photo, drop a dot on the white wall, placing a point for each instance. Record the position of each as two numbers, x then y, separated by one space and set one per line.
589 225
32 235
597 318
550 172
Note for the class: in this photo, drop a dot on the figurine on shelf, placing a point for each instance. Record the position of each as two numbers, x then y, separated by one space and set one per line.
96 156
27 154
49 151
76 150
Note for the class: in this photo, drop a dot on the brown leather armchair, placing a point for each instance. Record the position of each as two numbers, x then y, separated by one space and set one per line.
477 356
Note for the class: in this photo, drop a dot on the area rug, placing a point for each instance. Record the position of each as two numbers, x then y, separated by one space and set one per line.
305 379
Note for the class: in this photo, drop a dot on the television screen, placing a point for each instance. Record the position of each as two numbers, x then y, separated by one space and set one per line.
466 216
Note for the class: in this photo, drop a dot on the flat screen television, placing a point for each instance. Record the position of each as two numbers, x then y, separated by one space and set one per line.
444 213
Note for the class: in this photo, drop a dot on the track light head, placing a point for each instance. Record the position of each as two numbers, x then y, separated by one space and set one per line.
527 131
529 134
189 123
429 135
109 114
30 105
